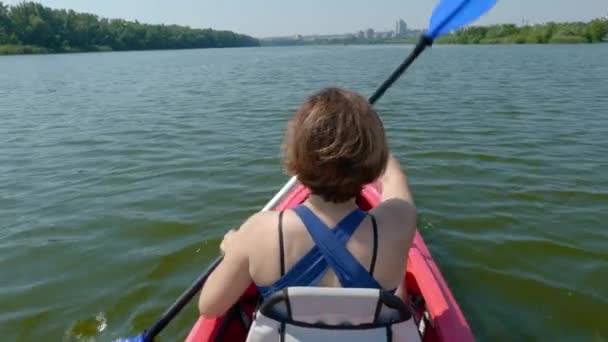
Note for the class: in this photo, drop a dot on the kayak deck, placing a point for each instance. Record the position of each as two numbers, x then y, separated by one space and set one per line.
428 293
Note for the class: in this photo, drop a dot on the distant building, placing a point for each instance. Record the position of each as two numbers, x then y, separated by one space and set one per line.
369 33
400 28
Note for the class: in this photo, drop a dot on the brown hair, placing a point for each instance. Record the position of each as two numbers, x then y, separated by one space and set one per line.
335 144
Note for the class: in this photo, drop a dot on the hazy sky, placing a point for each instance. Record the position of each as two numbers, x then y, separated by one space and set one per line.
263 18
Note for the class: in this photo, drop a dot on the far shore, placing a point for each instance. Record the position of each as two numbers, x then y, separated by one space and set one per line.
12 50
16 50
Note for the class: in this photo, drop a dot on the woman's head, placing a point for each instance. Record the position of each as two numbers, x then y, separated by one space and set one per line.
335 144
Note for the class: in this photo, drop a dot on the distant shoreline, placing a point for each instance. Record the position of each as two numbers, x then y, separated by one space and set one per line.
35 50
24 50
413 42
594 31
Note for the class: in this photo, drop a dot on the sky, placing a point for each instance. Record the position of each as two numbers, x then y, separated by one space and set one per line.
268 18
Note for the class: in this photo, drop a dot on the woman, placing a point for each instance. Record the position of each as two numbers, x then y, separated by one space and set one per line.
334 144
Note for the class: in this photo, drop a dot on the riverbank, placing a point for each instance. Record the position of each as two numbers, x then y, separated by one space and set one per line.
561 41
8 50
39 50
449 40
31 28
594 31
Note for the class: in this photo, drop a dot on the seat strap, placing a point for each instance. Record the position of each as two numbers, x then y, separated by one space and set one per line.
281 244
372 265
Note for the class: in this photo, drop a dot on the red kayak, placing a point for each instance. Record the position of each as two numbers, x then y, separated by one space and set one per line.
439 316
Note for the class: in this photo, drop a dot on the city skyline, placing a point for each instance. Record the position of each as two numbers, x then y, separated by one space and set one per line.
271 18
401 30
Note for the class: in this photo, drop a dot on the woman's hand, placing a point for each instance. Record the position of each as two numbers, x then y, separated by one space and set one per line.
228 241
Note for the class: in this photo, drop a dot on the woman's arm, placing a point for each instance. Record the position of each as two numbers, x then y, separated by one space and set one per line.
397 207
231 278
394 183
397 216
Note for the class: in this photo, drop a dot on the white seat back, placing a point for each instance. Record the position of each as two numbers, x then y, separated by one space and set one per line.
300 314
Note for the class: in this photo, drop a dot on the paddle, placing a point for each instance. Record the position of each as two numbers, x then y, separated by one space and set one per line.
447 16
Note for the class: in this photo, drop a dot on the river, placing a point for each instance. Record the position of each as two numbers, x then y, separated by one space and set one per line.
120 172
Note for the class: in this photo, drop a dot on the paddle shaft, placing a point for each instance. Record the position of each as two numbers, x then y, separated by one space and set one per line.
422 44
184 298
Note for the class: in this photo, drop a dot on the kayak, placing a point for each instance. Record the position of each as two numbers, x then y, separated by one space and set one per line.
435 310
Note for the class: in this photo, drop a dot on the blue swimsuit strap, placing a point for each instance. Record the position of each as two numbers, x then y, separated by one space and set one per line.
311 268
346 267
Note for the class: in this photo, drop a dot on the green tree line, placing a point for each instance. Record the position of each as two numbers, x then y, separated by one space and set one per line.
550 33
29 27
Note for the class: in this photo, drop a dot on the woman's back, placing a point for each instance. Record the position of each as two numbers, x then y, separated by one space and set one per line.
382 253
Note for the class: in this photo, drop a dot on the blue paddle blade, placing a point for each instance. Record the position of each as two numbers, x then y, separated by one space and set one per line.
139 338
453 14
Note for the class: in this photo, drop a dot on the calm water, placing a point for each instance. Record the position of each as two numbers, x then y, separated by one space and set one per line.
119 173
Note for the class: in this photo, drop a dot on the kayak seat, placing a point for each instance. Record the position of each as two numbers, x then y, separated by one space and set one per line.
328 314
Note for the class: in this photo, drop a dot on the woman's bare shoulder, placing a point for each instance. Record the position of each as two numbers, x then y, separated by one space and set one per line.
253 233
258 221
396 215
